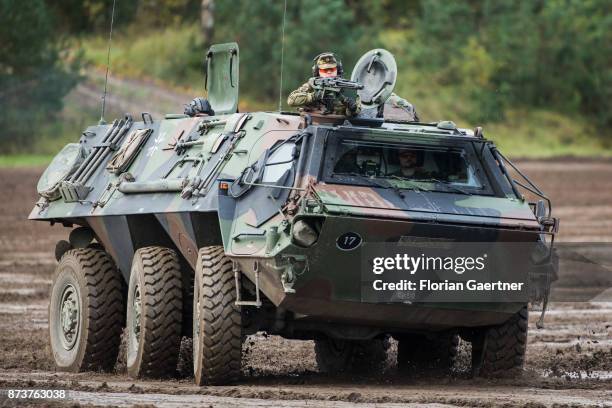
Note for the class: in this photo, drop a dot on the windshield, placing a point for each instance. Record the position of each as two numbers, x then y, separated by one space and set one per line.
422 167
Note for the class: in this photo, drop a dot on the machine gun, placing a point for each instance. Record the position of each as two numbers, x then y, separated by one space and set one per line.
331 89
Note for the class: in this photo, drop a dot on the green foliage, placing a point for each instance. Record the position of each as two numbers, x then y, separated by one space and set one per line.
541 133
537 74
553 54
87 16
80 16
523 132
33 79
157 13
495 54
25 160
311 27
173 55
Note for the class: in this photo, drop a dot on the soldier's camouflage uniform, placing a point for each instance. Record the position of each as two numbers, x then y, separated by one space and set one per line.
304 97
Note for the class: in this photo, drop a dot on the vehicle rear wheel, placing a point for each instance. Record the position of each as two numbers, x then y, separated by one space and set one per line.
217 322
86 311
154 313
419 352
341 356
500 350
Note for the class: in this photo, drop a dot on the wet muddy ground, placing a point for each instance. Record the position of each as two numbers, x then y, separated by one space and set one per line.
569 362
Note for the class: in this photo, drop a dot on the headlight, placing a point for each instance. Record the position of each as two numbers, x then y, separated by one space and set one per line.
62 166
303 234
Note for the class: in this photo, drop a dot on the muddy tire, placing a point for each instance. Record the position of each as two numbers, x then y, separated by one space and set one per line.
436 352
336 356
500 350
86 311
217 323
154 313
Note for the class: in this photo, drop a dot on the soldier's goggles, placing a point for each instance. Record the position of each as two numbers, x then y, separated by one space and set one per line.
327 70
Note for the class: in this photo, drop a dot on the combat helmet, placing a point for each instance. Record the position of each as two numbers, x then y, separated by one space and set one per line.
326 60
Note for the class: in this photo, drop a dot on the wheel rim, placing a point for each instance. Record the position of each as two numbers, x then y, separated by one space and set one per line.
69 317
136 308
196 328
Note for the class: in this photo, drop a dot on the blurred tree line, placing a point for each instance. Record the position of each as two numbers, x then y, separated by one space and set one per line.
33 76
554 54
543 53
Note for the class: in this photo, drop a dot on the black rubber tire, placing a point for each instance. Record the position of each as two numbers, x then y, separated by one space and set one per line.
500 350
435 352
154 352
217 337
100 290
336 356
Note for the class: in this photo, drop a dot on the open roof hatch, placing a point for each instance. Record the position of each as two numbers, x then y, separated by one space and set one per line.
222 79
377 71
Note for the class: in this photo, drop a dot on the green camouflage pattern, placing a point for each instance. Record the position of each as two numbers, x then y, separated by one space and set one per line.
222 74
326 60
174 192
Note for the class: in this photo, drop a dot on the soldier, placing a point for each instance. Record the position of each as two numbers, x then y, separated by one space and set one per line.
411 162
325 65
396 107
199 107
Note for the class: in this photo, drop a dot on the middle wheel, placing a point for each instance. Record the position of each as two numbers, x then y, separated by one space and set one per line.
154 313
217 321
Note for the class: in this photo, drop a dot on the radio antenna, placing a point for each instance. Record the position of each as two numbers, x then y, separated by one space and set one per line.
280 86
110 39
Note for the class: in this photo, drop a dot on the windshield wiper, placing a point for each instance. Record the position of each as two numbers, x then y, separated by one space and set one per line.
448 184
413 186
373 182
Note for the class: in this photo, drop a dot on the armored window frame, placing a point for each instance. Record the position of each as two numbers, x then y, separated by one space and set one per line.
336 138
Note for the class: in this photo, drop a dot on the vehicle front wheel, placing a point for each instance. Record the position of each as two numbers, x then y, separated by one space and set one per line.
217 322
154 313
86 311
500 350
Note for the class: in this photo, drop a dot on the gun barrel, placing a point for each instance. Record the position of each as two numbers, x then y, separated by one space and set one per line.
322 83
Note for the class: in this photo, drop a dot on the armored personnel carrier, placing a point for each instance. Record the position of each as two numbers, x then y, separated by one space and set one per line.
219 225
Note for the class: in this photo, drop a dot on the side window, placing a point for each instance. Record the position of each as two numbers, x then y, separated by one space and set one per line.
279 162
272 168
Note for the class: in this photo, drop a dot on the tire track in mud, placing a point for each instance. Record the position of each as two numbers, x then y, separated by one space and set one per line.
101 389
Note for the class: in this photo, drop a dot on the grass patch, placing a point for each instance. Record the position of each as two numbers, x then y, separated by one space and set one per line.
25 160
528 133
546 134
173 55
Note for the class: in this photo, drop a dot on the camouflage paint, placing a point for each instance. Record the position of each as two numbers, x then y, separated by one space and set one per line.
255 228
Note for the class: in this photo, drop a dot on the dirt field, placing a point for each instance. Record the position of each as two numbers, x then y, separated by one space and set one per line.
569 362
